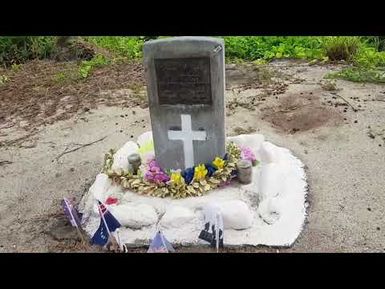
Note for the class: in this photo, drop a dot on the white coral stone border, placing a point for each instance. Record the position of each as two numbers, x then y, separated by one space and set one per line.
276 199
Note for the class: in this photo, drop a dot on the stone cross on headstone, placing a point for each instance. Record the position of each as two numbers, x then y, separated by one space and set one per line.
187 136
185 84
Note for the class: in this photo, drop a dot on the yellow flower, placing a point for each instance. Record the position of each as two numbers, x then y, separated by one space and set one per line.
219 163
200 172
176 178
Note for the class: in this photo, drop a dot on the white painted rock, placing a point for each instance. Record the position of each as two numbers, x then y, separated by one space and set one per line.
253 141
269 210
144 138
176 216
236 215
100 187
134 216
271 153
272 180
98 191
281 204
274 167
120 157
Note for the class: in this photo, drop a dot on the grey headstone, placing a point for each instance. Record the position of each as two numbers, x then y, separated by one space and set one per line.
185 84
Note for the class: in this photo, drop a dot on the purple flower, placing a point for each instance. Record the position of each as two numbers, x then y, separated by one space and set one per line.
155 174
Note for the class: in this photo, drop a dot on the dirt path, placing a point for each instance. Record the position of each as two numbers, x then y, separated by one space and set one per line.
344 151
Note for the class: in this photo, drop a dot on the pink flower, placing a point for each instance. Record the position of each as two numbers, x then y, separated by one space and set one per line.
247 154
155 174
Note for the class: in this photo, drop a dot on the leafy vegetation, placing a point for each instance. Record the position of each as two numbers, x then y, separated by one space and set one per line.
369 57
86 67
269 47
360 74
365 55
3 79
15 50
362 53
129 47
341 47
83 70
368 65
378 42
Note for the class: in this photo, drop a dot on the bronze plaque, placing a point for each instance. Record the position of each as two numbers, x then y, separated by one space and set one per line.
183 80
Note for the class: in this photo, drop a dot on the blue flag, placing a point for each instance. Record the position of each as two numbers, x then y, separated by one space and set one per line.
160 244
102 233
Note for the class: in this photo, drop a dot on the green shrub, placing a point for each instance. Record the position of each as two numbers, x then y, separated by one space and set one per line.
270 47
341 47
364 53
14 50
368 66
369 57
377 42
129 47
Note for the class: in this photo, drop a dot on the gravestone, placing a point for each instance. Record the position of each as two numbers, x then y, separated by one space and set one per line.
185 85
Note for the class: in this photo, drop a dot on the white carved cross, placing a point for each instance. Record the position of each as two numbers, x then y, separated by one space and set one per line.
187 135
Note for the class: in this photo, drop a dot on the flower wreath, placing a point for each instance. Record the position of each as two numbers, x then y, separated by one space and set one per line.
151 180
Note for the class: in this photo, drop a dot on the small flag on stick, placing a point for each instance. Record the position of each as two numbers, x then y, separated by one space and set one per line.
108 224
160 244
72 215
213 230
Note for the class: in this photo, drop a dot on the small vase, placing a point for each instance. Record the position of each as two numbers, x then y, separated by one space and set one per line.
244 168
134 161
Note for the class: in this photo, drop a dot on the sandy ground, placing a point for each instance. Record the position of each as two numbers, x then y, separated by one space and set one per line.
343 149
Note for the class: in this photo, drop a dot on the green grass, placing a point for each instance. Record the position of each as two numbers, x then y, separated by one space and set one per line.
360 74
128 47
338 48
368 65
15 50
266 48
3 79
364 54
86 67
83 70
377 42
369 57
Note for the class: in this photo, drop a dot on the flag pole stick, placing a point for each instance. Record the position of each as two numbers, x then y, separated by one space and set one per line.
81 235
217 232
105 223
104 220
76 225
121 246
118 239
164 243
